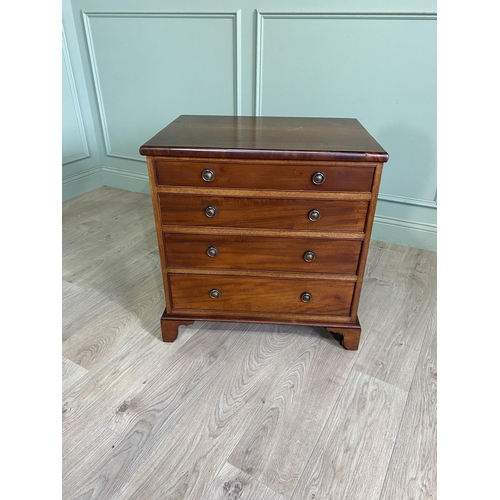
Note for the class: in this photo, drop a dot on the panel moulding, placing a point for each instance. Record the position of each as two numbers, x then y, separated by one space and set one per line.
235 16
419 226
125 173
405 200
89 172
259 39
404 232
76 103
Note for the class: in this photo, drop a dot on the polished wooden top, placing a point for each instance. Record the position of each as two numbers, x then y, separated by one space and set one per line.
266 138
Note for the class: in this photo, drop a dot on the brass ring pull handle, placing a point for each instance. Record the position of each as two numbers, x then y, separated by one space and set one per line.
214 293
318 178
208 175
306 297
212 251
309 256
314 215
211 211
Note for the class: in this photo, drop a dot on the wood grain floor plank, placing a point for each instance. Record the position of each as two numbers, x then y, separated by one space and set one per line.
71 292
383 262
91 452
100 334
218 418
91 205
88 453
179 383
351 457
392 348
93 239
119 275
96 238
89 260
77 303
132 216
426 262
102 204
82 307
104 387
285 430
382 265
120 417
413 466
71 373
233 484
142 416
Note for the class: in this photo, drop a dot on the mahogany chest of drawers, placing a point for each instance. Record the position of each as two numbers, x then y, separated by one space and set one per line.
264 220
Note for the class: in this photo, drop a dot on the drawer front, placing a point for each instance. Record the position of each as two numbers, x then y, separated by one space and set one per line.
280 213
286 176
262 253
265 295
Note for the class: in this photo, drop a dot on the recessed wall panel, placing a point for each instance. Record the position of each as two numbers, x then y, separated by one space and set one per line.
380 69
74 141
148 69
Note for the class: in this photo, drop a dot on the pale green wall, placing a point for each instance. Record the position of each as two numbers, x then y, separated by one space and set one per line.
137 65
81 155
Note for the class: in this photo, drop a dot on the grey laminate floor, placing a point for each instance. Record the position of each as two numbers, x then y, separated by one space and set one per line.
233 411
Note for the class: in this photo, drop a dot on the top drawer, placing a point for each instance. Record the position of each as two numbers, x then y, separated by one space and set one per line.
275 175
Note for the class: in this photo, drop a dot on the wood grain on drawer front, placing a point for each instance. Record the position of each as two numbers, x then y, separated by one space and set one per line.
279 213
289 176
267 295
262 253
